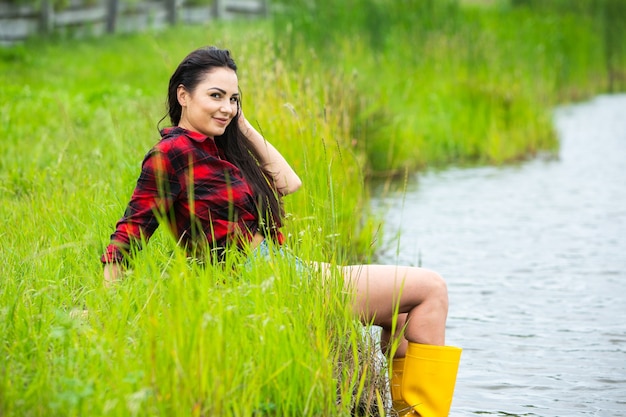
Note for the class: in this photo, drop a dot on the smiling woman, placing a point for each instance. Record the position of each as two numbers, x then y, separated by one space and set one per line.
208 109
212 177
218 185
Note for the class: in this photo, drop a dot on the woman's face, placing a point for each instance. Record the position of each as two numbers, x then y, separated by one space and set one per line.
211 106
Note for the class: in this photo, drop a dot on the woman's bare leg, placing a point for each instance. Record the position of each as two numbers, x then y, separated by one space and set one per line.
418 295
388 337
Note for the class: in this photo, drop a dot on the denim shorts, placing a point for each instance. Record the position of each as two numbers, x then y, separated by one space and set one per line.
268 252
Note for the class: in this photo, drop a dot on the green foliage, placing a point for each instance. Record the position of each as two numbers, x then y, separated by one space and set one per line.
440 82
199 2
606 17
324 23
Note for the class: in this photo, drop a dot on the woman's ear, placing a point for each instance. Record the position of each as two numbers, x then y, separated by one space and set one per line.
181 95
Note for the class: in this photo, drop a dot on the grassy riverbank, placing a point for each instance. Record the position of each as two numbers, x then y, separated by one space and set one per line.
475 85
443 82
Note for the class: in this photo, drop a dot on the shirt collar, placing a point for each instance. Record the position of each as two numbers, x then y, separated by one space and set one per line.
177 130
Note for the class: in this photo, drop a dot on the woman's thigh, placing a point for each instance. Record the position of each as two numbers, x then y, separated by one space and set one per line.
382 291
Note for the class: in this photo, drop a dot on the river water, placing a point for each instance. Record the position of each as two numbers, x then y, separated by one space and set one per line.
535 259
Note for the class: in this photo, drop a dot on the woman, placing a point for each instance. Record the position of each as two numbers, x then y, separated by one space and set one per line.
218 183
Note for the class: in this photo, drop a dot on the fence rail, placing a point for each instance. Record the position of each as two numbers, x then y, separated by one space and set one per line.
80 18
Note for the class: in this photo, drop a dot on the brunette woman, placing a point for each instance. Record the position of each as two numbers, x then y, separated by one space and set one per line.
217 184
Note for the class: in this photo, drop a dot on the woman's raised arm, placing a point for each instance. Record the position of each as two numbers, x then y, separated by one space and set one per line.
285 178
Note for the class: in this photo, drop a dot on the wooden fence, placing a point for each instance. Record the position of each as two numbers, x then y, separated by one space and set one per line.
96 17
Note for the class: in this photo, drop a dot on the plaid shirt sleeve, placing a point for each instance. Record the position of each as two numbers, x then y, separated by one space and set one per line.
156 189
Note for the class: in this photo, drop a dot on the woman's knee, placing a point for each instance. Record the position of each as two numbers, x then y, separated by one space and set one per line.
435 288
441 288
440 297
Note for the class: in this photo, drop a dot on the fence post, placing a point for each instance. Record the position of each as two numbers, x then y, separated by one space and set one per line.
265 8
170 6
46 17
217 9
112 7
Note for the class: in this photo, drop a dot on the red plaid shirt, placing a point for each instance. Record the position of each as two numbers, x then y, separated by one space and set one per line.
186 183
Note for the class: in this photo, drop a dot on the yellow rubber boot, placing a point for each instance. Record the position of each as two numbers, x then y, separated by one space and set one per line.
429 377
395 383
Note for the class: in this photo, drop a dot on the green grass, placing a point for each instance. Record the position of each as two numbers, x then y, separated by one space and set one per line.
457 85
174 338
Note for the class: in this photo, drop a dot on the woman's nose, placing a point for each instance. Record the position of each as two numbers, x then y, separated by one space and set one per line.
226 108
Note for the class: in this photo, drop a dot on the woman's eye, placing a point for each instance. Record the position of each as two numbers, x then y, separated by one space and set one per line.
234 99
215 95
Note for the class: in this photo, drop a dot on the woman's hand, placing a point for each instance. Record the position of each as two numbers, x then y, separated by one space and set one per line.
243 123
285 178
112 274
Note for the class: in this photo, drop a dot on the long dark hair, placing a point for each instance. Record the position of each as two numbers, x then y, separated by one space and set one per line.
235 146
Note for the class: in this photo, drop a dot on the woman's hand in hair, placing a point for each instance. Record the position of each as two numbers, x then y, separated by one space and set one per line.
285 178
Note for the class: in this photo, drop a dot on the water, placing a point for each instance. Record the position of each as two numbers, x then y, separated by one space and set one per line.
535 259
